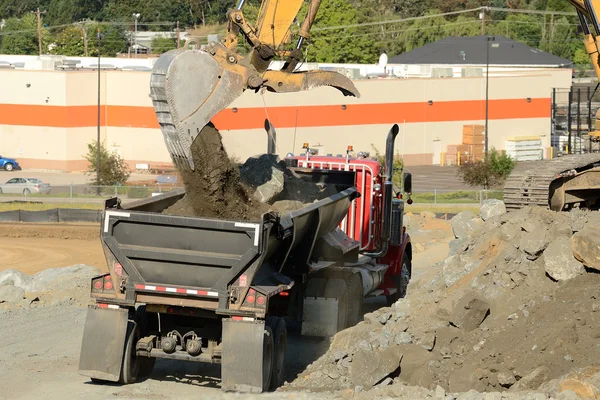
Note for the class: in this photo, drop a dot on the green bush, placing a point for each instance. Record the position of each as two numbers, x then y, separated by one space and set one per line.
113 169
492 171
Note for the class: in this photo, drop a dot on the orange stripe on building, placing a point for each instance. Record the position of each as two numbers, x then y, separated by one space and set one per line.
282 117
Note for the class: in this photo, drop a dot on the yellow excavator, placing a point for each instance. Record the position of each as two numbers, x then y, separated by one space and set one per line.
190 86
572 180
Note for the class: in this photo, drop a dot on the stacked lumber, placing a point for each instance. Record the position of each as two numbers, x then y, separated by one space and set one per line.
472 147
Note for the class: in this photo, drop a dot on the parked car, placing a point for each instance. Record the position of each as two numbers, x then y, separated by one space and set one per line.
9 164
25 186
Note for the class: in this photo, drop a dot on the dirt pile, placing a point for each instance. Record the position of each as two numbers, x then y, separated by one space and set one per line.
217 188
68 285
511 309
214 188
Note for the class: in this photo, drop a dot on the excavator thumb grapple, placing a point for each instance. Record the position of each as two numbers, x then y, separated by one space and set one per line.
190 86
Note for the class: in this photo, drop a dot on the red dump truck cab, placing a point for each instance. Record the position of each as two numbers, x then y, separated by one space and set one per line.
222 291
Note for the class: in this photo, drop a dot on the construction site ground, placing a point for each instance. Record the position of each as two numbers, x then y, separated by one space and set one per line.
528 329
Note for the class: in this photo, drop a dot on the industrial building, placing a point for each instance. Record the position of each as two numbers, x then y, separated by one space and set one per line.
49 113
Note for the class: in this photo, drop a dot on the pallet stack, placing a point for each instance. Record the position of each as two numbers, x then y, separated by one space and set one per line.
472 146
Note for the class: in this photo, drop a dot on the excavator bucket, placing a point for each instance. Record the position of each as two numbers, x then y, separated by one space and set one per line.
188 88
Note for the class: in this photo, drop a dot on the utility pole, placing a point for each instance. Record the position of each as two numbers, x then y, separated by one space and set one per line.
482 17
177 34
39 28
85 40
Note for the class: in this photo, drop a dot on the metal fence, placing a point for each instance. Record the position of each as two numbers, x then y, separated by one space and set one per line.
53 215
85 193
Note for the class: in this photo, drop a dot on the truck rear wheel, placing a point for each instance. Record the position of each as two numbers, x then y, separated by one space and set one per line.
355 299
135 366
277 325
268 358
337 289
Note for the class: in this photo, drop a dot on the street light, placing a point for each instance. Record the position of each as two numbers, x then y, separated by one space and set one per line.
98 136
487 76
136 16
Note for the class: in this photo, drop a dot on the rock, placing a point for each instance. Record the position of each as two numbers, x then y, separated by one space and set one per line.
491 208
533 243
427 341
338 355
403 338
532 380
470 395
265 175
370 367
455 267
457 246
586 247
469 312
465 379
580 388
63 278
387 381
465 224
506 379
11 294
440 393
384 317
569 395
559 262
13 277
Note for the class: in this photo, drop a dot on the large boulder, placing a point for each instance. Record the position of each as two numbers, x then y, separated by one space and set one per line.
11 294
465 224
559 261
12 277
264 174
586 246
533 243
469 312
532 380
491 208
369 367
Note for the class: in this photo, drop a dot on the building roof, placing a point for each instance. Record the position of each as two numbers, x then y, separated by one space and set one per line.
472 51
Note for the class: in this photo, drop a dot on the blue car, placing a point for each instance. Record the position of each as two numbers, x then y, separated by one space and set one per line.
9 164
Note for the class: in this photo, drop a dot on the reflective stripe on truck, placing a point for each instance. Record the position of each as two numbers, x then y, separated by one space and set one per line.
176 290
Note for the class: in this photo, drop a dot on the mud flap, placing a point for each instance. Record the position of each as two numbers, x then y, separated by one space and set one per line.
242 356
103 343
320 316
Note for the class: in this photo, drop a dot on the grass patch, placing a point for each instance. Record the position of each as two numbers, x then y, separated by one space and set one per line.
461 196
49 206
438 209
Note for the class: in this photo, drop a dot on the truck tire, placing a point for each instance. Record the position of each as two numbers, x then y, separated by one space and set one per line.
337 289
277 325
268 358
315 287
401 281
355 299
135 367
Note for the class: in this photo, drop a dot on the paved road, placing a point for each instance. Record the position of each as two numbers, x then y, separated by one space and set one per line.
428 178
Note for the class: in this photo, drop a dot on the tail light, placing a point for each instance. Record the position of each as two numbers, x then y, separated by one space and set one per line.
37 186
103 285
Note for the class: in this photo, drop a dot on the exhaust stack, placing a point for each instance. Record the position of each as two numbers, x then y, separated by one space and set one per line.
387 193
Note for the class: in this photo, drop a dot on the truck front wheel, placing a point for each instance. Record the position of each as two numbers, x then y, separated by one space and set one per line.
401 281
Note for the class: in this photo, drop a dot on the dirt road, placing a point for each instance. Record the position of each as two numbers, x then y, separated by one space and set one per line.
31 248
39 353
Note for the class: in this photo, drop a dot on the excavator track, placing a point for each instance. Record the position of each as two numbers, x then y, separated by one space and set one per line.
529 184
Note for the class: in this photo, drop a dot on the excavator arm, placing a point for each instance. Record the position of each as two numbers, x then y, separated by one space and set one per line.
189 87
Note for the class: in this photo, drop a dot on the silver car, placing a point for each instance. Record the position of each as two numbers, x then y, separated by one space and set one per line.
25 186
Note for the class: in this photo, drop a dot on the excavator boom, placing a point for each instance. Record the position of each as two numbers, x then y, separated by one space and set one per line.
190 86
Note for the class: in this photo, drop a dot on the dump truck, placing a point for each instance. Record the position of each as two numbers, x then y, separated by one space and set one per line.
219 291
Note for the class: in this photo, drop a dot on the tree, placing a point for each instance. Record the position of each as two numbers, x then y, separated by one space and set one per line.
162 43
62 12
113 170
341 45
69 42
398 165
114 40
490 172
20 36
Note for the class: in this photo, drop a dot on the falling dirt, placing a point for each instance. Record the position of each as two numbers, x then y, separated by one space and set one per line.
214 188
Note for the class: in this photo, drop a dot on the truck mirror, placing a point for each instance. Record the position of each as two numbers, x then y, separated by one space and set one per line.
407 182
